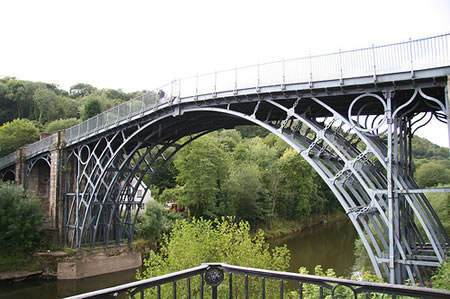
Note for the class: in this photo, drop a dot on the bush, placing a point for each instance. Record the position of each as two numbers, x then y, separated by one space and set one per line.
16 134
202 241
442 278
60 124
431 174
155 222
20 220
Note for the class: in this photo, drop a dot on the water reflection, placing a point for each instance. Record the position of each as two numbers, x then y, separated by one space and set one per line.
48 289
329 245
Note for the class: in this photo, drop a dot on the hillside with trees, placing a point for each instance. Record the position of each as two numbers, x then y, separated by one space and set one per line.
29 108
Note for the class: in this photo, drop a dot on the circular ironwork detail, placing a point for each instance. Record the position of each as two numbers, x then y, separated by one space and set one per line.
214 276
357 125
343 293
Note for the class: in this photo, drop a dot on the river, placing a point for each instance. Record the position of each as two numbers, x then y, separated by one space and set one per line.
329 245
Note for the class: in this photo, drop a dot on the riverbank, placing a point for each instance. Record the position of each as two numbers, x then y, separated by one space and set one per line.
44 264
69 265
282 227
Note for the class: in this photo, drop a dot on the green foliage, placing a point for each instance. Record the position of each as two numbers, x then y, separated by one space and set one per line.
201 241
245 193
202 168
223 174
46 100
81 89
155 222
20 220
60 124
298 186
424 149
252 131
441 205
16 134
170 195
166 176
312 291
432 173
441 280
91 109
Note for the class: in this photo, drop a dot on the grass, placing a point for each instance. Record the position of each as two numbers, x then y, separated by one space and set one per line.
282 227
18 262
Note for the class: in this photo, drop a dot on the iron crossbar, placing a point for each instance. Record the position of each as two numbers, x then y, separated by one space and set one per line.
214 274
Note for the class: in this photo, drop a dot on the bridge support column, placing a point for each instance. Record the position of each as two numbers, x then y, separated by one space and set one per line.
447 107
55 186
20 167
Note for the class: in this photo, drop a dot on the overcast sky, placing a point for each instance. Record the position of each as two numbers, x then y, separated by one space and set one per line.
136 45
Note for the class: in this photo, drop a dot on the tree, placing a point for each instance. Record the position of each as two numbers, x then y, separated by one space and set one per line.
47 103
8 109
20 220
298 186
91 109
432 173
246 194
71 107
20 92
80 90
15 134
156 221
60 124
202 168
441 280
193 243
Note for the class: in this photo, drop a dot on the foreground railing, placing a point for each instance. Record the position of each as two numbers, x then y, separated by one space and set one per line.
243 282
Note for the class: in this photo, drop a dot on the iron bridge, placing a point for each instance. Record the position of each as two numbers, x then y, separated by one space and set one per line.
350 114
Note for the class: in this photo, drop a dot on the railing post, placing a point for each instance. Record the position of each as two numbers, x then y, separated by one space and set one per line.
341 75
411 57
374 64
215 83
310 71
214 277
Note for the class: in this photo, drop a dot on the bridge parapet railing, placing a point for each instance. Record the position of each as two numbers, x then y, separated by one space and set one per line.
227 281
7 160
402 57
36 148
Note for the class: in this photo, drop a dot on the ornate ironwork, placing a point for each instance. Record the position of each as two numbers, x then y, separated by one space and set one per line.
166 285
214 276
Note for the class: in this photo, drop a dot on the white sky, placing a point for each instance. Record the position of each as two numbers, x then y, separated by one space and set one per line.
136 45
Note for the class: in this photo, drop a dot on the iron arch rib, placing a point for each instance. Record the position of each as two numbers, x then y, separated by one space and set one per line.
349 158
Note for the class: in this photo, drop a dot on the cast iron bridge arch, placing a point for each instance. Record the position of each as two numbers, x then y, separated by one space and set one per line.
351 115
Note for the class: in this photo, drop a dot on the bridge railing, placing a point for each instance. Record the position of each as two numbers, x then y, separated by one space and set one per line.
7 160
402 57
41 146
31 150
243 282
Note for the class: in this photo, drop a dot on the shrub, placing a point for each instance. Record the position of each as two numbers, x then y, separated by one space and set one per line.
202 241
156 221
20 220
441 280
60 124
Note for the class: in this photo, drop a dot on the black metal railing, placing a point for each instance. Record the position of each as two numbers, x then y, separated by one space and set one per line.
217 280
